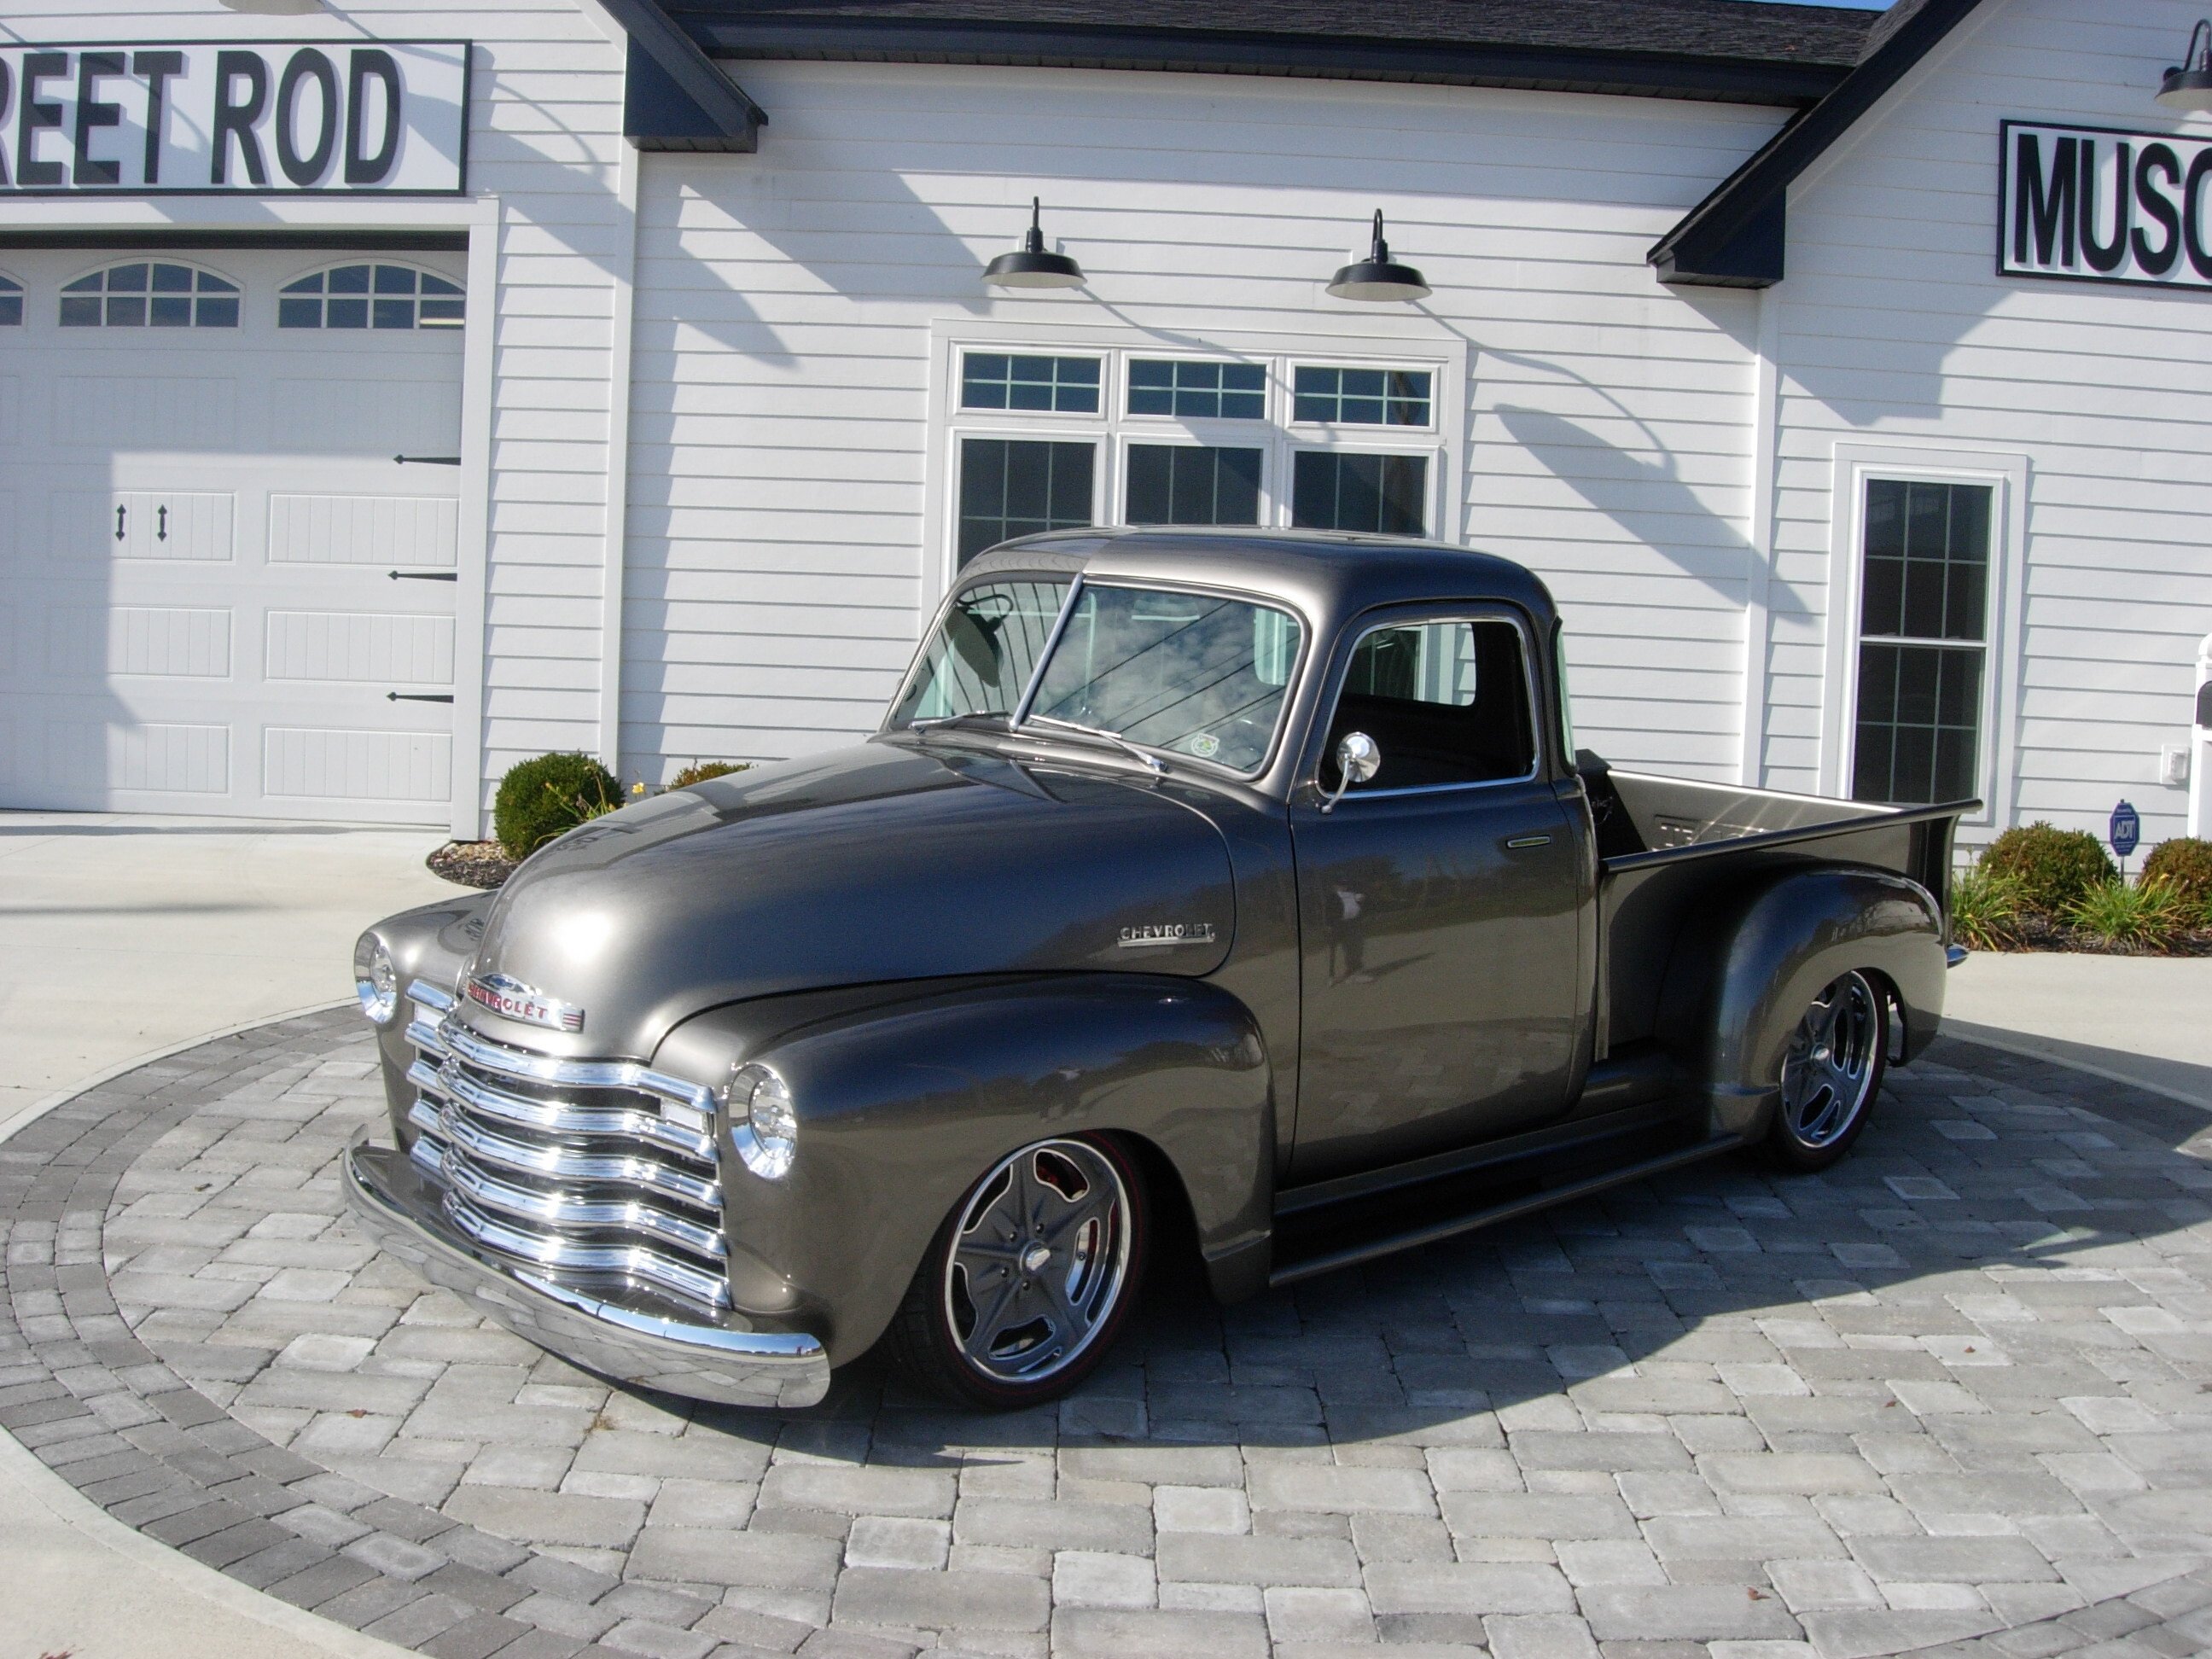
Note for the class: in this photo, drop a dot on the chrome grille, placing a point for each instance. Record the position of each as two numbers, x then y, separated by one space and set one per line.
586 1167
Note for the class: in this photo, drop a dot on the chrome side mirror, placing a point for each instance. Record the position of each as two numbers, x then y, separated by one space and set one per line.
1357 759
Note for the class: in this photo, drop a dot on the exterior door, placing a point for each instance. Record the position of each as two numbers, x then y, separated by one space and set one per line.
1438 907
222 595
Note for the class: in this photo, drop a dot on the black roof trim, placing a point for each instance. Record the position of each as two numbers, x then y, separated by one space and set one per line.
1735 238
155 239
1710 78
674 96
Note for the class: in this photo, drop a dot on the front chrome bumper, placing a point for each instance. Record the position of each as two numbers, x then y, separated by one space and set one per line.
725 1363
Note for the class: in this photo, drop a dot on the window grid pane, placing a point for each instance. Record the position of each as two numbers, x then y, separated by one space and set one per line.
369 297
141 293
11 303
1360 397
1067 386
1927 560
1177 484
1383 493
1013 486
1233 391
1919 723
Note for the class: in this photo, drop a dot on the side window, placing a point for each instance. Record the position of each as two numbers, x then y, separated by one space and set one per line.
1013 486
11 303
1447 702
1923 624
1340 490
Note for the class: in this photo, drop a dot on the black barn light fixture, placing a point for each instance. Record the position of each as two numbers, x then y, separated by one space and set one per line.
1378 276
2188 84
1032 265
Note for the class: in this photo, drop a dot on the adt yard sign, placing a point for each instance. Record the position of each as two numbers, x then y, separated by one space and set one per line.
2097 204
2126 830
235 118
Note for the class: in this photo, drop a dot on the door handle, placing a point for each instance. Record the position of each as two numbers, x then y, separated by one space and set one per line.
1529 841
162 523
423 575
119 522
418 697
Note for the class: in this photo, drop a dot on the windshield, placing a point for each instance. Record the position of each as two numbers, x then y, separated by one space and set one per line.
1191 673
982 657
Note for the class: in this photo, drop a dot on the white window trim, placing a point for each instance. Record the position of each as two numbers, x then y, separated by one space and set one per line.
2007 474
1443 443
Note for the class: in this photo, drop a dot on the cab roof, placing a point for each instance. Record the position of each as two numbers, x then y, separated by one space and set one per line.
1330 576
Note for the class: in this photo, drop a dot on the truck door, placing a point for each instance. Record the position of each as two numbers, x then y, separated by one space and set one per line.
1438 903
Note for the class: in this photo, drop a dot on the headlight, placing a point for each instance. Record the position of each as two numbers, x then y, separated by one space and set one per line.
375 979
763 1128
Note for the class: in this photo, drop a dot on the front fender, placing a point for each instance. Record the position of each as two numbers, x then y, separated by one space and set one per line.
432 942
1743 978
905 1095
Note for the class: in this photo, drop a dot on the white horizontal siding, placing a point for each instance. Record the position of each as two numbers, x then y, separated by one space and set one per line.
1895 329
784 354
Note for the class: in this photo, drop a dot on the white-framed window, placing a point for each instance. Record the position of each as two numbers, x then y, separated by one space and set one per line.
11 302
1048 436
149 293
370 294
1924 616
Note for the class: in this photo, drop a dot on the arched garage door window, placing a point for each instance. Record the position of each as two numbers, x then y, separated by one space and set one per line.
11 303
150 293
377 295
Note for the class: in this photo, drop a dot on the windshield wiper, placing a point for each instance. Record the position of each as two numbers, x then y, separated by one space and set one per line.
1114 737
974 717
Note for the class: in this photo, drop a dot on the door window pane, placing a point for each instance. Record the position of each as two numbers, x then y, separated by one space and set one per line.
1927 560
1388 494
1177 484
1917 733
1447 702
1231 391
995 380
1361 397
11 302
1013 486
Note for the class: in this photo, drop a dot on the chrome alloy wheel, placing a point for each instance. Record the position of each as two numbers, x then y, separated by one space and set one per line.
1833 1061
1039 1260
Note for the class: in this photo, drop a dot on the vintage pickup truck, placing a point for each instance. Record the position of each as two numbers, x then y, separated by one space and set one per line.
1242 891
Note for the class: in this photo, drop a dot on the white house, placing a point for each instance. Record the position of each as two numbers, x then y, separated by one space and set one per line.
393 390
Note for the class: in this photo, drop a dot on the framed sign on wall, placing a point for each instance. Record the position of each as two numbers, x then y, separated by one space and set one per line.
2101 204
235 118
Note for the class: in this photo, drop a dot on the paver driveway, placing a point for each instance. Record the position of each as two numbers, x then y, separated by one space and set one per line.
1954 1392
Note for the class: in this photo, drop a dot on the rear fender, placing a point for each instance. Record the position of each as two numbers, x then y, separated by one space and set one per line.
906 1095
1743 976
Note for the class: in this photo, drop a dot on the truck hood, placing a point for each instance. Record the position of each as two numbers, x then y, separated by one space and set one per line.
881 862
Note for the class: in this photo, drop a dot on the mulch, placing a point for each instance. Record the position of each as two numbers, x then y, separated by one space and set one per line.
472 863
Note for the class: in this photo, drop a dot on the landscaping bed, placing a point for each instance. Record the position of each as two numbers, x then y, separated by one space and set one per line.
472 863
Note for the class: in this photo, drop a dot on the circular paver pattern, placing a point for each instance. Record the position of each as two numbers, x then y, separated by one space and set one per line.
1956 1395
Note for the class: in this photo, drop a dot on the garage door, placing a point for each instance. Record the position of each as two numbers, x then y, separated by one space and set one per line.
222 593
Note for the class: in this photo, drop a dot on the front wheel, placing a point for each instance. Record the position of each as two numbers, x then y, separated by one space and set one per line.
1025 1285
1830 1073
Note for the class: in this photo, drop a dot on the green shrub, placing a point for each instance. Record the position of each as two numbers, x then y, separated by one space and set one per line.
2055 869
1985 910
2185 863
2150 916
548 796
700 771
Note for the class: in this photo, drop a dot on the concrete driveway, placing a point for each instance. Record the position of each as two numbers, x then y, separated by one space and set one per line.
121 937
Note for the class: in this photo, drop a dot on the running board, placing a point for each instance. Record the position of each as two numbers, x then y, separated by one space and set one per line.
1351 1255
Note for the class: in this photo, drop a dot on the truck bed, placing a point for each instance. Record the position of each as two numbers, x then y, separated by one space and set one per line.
1667 845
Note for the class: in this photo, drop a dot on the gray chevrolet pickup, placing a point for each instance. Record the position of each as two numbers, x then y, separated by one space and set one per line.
1237 899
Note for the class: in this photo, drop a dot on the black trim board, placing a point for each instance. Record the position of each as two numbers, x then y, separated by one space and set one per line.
1629 73
157 237
674 96
1735 237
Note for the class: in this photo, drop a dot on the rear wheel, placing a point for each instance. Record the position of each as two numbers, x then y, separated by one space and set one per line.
1029 1280
1830 1073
